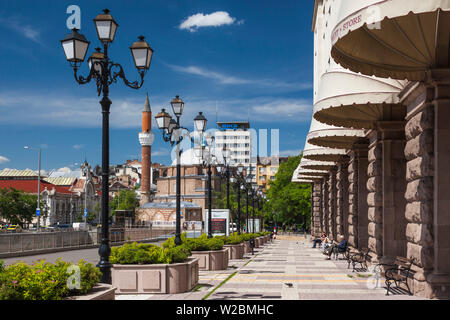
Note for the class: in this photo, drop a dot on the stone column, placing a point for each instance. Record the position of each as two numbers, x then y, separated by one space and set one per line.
428 182
325 205
393 189
342 204
357 195
375 196
332 235
316 210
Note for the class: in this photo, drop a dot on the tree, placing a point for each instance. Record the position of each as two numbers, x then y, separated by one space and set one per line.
220 202
126 200
289 202
16 206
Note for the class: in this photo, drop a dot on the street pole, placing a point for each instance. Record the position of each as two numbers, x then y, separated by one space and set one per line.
39 189
253 211
247 223
104 251
178 201
209 201
238 189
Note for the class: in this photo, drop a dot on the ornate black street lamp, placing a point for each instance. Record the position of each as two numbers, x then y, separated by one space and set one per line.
225 171
237 178
105 72
172 132
208 159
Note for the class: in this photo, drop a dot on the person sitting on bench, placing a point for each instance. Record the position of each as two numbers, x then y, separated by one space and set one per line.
319 240
341 246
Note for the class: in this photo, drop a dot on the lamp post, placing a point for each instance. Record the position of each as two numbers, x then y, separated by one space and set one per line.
237 178
38 210
226 171
208 158
171 130
105 72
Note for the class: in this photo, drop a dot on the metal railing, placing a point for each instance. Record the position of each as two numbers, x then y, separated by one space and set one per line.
28 242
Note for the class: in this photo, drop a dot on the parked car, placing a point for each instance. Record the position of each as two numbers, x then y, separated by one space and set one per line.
233 227
14 228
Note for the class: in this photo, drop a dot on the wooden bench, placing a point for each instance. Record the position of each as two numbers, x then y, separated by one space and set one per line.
399 272
361 257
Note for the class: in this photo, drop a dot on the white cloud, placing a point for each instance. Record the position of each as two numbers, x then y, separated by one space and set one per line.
16 24
230 80
291 152
160 152
215 19
78 146
210 75
54 110
3 159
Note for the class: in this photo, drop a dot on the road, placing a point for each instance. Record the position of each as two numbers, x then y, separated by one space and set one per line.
73 256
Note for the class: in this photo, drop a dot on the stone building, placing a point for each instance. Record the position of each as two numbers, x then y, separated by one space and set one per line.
63 197
389 192
193 185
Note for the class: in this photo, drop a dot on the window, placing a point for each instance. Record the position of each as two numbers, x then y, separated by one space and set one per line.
272 178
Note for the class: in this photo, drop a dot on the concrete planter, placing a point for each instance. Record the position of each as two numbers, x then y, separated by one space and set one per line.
235 251
247 248
99 292
212 260
262 240
155 278
257 242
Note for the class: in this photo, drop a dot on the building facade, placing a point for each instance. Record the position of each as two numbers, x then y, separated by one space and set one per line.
240 140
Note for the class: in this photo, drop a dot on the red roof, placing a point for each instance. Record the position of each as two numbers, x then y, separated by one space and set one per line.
30 186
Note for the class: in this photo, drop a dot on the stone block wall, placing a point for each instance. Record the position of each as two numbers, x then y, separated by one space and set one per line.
342 204
419 153
325 205
332 205
316 209
374 196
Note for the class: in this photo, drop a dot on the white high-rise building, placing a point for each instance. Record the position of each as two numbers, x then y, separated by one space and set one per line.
237 137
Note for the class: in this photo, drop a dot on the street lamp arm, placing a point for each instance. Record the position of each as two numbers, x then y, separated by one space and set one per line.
81 79
121 74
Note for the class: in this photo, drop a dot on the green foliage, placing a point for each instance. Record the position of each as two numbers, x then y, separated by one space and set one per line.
202 243
220 202
16 206
231 239
126 200
248 236
134 253
44 281
290 202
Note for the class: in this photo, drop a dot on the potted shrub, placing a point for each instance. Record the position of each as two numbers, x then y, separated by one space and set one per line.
210 252
246 238
46 281
148 268
235 245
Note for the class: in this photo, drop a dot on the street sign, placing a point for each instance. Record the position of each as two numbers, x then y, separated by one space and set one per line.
85 213
38 212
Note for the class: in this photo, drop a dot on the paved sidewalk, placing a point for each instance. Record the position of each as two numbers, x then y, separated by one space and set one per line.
208 281
286 270
292 270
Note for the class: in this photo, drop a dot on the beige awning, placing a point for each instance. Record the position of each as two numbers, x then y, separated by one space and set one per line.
400 39
318 165
324 135
344 98
317 153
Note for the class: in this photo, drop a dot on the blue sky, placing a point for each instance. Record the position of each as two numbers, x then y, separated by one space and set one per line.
231 59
